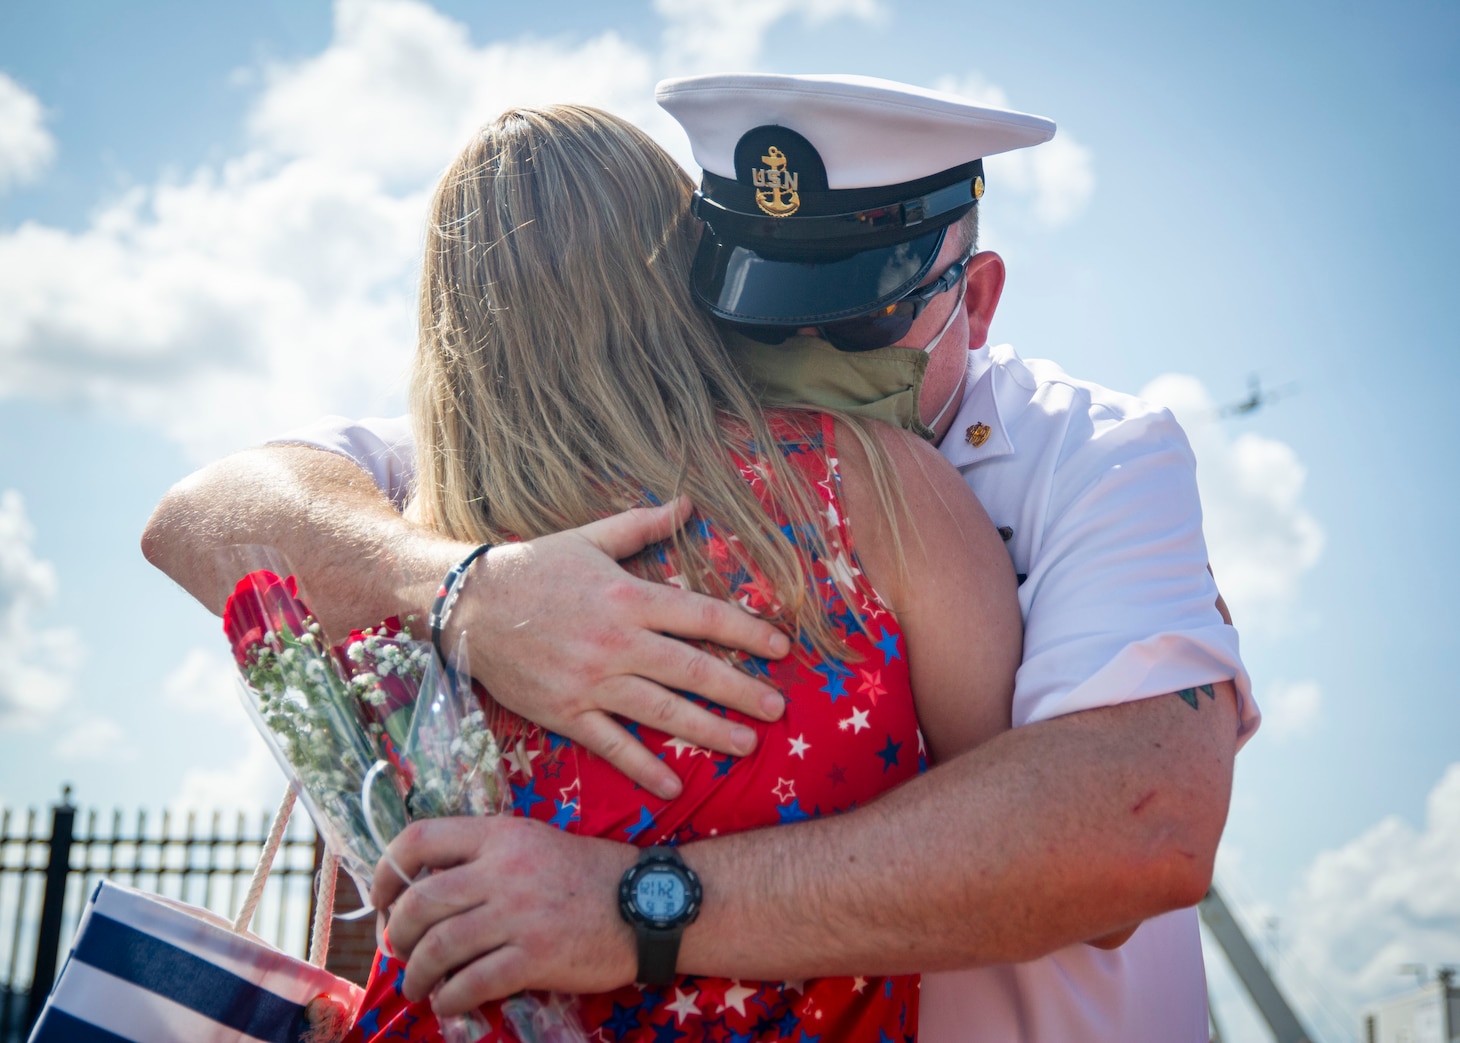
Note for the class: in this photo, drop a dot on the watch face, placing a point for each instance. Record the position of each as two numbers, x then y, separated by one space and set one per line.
660 894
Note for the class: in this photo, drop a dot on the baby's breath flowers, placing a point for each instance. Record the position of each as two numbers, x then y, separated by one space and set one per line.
304 703
330 713
431 729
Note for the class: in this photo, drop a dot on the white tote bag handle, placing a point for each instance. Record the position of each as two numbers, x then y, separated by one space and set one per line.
324 908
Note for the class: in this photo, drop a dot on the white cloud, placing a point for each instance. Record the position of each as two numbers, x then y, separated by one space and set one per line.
1260 537
93 738
39 663
712 36
1055 181
1388 897
205 682
219 309
26 146
976 89
1290 708
1061 173
245 776
251 781
401 87
258 293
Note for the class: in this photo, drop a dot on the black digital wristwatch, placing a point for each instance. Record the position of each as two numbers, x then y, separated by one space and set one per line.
659 897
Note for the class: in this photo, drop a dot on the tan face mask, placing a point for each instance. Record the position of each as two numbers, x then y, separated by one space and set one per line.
807 371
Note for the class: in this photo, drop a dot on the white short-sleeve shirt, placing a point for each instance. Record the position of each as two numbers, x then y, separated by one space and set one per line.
383 446
1096 495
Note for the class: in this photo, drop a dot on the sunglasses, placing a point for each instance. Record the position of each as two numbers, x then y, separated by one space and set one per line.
878 329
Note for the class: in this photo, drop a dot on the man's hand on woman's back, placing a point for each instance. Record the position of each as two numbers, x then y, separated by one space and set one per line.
564 636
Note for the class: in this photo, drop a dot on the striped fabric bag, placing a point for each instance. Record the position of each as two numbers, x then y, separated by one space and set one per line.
147 969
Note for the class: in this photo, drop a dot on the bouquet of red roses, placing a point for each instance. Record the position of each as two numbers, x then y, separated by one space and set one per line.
372 733
304 701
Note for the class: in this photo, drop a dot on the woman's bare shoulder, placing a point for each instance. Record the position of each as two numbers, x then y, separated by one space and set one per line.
937 560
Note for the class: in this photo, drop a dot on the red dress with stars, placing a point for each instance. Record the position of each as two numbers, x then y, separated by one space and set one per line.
848 734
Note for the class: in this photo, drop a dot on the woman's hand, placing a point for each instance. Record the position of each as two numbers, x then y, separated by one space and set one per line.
512 904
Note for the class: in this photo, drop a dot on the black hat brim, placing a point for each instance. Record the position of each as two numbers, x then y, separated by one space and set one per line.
739 285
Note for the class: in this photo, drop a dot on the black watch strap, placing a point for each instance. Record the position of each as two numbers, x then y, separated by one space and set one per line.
657 940
658 953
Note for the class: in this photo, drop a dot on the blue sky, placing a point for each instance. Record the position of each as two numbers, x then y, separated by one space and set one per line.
208 221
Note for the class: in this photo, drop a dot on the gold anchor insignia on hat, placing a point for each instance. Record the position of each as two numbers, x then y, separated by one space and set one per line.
977 434
778 196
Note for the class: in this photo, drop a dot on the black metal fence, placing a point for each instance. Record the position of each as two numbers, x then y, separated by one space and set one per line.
50 863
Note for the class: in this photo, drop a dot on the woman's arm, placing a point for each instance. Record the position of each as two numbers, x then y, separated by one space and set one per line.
953 590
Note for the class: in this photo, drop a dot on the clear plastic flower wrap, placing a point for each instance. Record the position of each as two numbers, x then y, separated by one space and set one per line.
446 763
372 733
299 694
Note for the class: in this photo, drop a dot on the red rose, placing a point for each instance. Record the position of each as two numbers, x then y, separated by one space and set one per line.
398 696
262 603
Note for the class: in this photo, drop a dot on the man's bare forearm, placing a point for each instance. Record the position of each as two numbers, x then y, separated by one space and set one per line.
557 630
357 557
1060 832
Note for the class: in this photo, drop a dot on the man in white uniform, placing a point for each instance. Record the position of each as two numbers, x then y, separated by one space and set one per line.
839 228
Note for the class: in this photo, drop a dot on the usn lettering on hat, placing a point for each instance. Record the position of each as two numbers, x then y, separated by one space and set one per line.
827 197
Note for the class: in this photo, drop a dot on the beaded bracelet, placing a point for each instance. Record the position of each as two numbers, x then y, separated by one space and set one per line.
446 599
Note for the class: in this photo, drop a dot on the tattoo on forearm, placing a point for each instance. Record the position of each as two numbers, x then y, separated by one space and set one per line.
1188 695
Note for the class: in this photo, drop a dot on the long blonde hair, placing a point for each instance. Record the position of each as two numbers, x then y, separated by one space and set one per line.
563 372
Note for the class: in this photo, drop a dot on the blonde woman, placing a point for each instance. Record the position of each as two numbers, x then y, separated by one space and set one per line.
564 374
